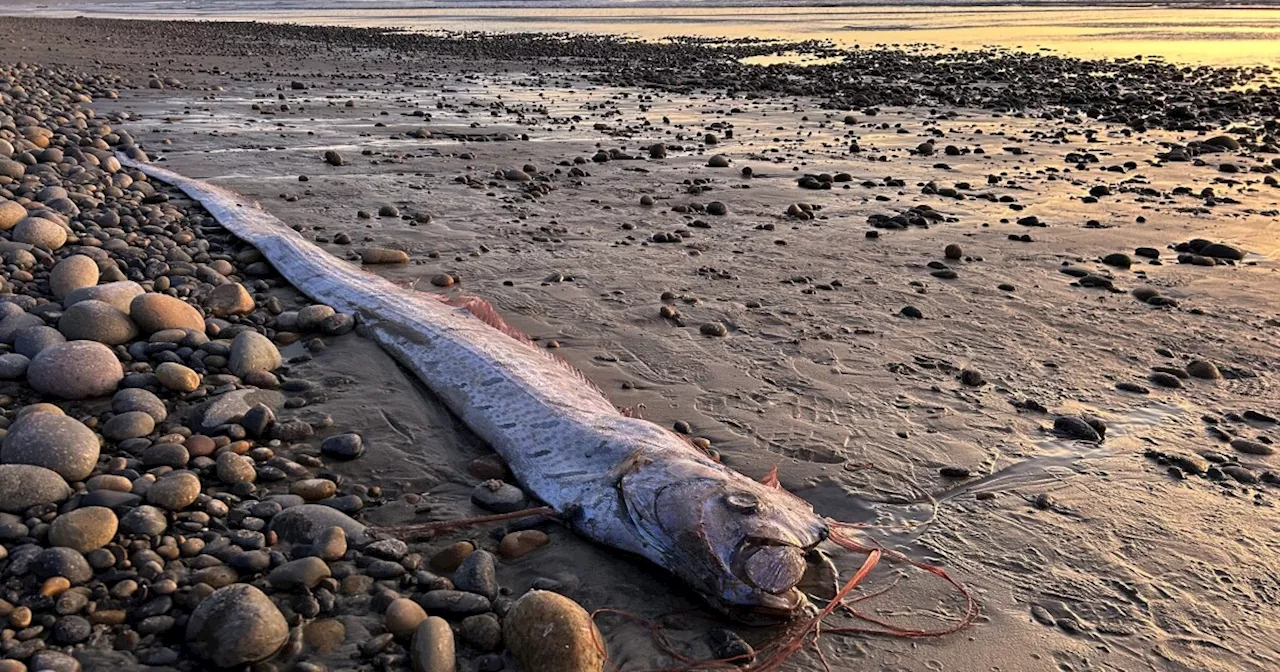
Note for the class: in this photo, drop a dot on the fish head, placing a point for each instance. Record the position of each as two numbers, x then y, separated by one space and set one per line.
744 546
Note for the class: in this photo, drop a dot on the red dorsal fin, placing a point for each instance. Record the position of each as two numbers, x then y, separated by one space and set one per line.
489 315
485 312
770 480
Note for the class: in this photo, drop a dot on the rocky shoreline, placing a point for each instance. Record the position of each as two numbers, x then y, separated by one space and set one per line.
161 497
170 497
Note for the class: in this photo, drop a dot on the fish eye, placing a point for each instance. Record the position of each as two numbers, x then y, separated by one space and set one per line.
742 502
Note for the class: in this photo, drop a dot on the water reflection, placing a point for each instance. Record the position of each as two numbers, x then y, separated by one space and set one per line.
1224 36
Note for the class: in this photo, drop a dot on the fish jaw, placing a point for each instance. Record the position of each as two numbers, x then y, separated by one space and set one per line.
738 543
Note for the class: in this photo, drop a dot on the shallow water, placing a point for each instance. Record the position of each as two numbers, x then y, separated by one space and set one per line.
1220 36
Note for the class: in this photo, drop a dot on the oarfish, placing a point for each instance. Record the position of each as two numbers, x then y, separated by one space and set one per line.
618 480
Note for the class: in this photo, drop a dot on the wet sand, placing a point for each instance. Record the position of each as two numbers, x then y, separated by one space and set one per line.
1083 555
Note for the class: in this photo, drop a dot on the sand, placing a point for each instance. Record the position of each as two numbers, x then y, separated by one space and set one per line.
1127 568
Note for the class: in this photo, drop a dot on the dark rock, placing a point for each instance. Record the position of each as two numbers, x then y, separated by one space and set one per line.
235 626
453 603
1077 428
478 574
23 486
304 524
728 645
1252 447
52 441
65 562
1164 379
343 446
299 574
482 631
499 497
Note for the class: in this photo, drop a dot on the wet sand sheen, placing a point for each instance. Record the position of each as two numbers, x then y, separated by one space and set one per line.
1215 36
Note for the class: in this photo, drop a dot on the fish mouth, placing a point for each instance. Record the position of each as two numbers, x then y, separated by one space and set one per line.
772 610
773 565
769 566
771 570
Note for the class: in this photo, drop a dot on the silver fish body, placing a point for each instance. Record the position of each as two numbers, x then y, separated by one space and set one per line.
619 481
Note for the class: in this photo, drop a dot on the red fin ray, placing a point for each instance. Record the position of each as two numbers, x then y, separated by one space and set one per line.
485 312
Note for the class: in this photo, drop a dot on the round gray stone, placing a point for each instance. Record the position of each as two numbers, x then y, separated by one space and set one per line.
52 441
309 318
478 574
75 272
129 425
304 524
23 486
76 370
33 340
119 294
343 446
498 496
52 660
13 323
40 232
175 491
251 351
236 625
13 366
144 520
99 321
233 468
303 573
138 399
166 455
12 169
65 562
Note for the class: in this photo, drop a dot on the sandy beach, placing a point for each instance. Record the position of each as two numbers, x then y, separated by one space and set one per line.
913 278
